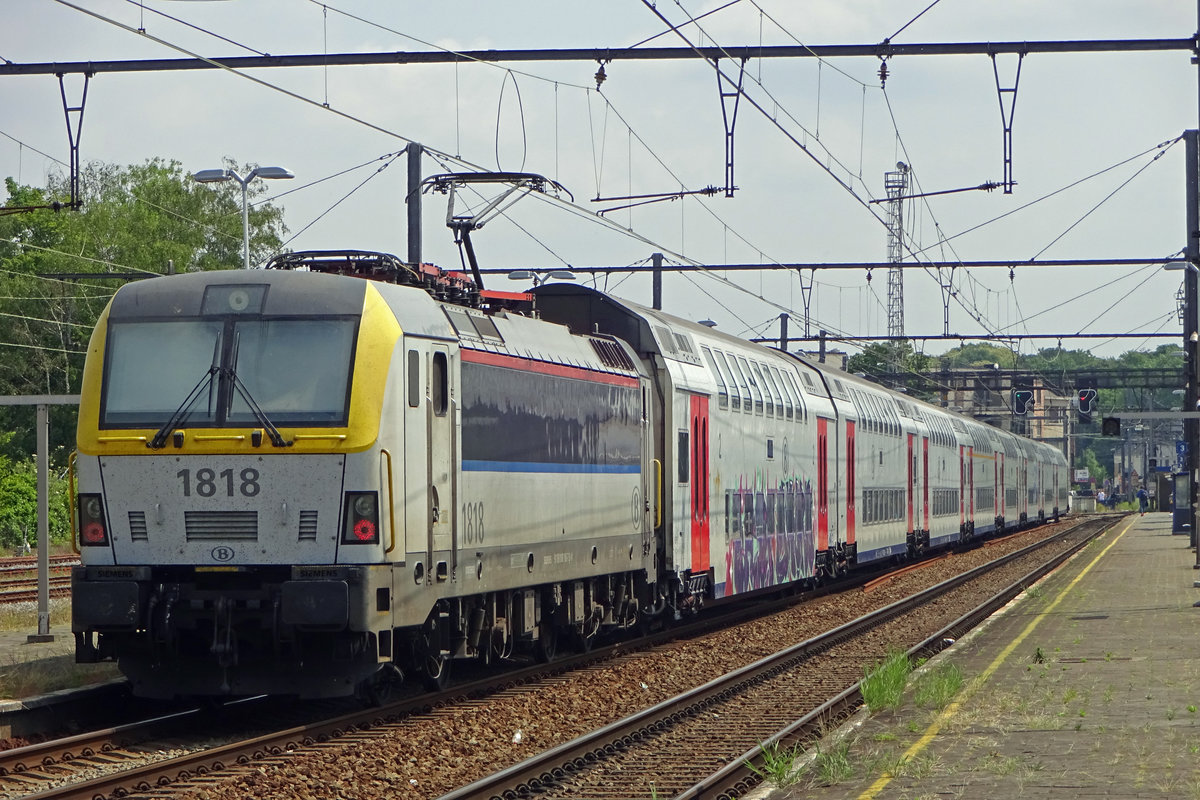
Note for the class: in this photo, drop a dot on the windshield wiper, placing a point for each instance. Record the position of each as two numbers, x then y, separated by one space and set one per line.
181 414
272 432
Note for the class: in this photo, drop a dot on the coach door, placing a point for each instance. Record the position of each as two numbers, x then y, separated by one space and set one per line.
1023 493
925 481
850 481
822 484
699 459
443 477
971 483
962 487
997 492
910 497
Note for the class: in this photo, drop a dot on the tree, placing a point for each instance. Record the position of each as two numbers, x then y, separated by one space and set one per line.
979 355
18 505
880 359
149 218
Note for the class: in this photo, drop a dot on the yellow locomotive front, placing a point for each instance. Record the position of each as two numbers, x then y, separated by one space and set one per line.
232 512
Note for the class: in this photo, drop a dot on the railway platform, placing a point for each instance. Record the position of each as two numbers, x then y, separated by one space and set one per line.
1087 686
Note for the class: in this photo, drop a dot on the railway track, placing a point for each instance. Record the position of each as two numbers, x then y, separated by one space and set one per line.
19 577
169 757
718 730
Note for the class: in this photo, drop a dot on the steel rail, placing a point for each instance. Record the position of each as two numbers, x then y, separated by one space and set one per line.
206 762
739 776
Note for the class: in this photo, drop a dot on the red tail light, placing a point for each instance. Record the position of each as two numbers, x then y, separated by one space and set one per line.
93 531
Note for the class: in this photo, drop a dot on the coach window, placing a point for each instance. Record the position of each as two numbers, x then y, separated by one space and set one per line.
414 378
754 387
784 392
766 388
747 403
722 392
789 409
801 409
439 379
723 365
783 403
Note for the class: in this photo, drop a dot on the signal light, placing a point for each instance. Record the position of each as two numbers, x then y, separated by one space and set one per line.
1110 426
92 528
362 518
1087 401
1022 399
1087 397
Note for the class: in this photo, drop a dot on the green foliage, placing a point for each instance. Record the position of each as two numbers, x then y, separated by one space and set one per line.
779 765
148 218
18 505
882 686
979 355
937 687
1097 471
898 359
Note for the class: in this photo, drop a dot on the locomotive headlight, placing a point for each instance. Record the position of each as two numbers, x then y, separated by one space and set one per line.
364 505
239 299
92 507
361 518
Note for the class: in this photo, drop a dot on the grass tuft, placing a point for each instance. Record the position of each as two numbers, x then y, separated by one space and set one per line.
780 765
937 687
882 686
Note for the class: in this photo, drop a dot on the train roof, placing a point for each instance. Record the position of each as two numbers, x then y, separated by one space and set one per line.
230 291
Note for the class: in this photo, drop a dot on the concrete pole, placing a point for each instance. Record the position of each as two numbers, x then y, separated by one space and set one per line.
413 198
43 529
656 260
1191 315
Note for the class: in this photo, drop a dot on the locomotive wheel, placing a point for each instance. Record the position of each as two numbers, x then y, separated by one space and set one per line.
379 689
546 649
432 667
585 639
435 670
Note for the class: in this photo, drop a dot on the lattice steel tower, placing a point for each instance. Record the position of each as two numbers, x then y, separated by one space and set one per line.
896 185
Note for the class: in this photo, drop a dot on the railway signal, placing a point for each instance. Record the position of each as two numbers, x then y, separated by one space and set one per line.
1022 399
1087 403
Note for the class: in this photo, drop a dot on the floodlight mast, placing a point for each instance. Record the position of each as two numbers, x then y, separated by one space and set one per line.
221 175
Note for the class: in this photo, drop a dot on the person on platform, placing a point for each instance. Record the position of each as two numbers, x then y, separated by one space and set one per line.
1143 500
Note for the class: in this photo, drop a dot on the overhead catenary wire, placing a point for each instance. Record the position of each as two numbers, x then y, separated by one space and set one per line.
571 207
923 12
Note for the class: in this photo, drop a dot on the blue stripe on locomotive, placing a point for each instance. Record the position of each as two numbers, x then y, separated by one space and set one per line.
549 467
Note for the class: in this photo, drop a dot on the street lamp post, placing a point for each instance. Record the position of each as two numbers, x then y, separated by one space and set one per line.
220 175
540 277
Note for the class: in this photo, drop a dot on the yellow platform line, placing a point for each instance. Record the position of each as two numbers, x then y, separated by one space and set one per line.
977 684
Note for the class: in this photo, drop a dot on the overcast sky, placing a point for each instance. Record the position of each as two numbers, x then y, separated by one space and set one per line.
1086 131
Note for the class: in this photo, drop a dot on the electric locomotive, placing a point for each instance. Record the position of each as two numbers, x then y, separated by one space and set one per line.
291 481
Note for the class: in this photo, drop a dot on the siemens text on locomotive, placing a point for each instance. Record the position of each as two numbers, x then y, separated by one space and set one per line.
299 481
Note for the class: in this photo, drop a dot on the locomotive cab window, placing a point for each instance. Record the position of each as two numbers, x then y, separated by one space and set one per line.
214 371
